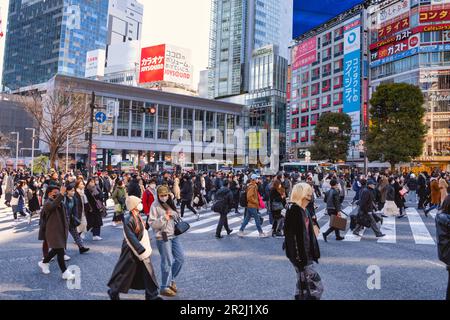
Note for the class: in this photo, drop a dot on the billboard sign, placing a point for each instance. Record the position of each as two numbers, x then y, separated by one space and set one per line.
95 63
352 67
434 15
166 63
393 11
432 76
389 50
394 27
304 54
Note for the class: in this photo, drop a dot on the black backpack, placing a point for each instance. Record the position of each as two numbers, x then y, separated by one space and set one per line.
243 197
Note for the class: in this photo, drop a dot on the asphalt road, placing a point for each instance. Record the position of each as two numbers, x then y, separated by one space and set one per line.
236 268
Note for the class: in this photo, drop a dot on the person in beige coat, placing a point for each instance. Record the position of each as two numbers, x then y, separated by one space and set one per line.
443 185
176 189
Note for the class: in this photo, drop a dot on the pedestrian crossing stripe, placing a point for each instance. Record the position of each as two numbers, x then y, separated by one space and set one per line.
209 219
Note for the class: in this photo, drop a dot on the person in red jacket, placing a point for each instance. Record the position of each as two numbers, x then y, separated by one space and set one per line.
149 196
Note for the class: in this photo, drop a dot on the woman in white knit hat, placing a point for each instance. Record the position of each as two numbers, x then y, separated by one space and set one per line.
134 270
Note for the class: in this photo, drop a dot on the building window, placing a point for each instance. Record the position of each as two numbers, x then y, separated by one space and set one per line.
338 65
163 122
294 137
338 33
315 104
326 70
188 124
326 55
326 85
305 77
315 87
175 122
315 74
314 119
136 118
337 98
124 118
149 123
199 123
305 121
294 124
338 82
326 102
305 106
305 92
294 109
304 136
338 49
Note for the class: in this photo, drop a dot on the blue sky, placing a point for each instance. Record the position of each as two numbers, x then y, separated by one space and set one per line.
310 13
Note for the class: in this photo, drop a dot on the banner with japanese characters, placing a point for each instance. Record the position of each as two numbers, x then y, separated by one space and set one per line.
392 11
433 14
406 42
304 54
352 66
152 64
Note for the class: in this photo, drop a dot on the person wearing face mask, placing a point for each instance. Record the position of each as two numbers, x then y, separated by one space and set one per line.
82 207
134 270
119 196
54 230
301 245
149 196
73 218
162 218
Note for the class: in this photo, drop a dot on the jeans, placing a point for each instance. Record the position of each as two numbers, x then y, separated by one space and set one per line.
172 259
76 237
412 196
251 212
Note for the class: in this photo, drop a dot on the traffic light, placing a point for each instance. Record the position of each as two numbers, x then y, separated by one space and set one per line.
150 109
110 153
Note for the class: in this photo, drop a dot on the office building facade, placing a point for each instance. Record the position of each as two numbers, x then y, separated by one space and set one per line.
410 43
328 73
44 38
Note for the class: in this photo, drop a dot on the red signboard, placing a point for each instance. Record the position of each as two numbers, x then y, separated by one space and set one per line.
397 47
434 15
152 64
393 28
433 27
304 54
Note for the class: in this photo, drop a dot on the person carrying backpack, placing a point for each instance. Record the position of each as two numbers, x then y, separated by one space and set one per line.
223 205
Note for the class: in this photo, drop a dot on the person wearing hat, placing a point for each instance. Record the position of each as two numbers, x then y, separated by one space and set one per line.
364 217
162 218
134 270
252 207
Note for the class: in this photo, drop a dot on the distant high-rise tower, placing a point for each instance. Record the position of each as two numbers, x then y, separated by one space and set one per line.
237 28
46 37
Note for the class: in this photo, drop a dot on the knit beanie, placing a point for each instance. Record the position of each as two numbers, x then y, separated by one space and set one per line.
132 202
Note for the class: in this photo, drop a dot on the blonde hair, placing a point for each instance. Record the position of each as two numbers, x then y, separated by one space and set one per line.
299 192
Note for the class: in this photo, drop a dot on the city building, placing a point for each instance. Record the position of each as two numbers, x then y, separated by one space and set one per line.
44 38
410 42
237 28
266 100
328 73
180 125
203 84
125 21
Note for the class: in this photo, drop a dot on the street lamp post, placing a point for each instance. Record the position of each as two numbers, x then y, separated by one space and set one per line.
67 153
32 148
17 150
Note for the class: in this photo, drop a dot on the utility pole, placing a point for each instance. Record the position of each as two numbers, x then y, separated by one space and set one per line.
91 131
17 150
32 148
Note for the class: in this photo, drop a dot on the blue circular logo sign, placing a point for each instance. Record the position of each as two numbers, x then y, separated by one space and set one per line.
100 117
352 38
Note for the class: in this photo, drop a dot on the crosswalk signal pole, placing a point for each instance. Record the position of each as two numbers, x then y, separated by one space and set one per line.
91 131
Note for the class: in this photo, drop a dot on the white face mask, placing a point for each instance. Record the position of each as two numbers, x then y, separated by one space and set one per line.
140 207
153 186
164 199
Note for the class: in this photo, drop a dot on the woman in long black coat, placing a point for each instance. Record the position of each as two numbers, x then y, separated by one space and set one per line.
398 198
33 203
94 215
133 271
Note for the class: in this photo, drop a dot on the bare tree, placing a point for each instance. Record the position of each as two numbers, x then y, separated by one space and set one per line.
59 113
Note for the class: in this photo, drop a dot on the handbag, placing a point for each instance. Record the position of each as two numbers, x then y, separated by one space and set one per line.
118 208
196 200
311 287
14 201
277 206
181 227
262 205
390 209
403 191
338 222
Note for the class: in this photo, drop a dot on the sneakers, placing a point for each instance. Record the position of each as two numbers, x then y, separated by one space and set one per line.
218 236
29 218
168 292
83 250
263 235
340 239
230 232
66 258
381 235
67 275
173 287
198 216
241 234
97 238
45 267
356 234
83 236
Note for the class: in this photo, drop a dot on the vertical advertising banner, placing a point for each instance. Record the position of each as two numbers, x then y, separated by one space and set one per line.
152 64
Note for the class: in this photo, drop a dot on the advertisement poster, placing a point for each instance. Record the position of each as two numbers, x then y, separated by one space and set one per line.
152 64
393 11
352 67
304 54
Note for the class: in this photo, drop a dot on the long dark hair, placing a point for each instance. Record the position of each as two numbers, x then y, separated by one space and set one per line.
169 204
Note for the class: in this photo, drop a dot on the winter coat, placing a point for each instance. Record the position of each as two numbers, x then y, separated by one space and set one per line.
435 192
94 216
295 234
384 189
56 225
158 222
186 191
366 201
129 270
33 203
275 196
412 184
333 201
443 185
252 195
390 192
147 200
9 187
72 214
81 206
176 189
224 200
443 237
399 200
19 193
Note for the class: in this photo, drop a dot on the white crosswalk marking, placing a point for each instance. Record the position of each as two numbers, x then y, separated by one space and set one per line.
419 230
214 226
433 213
255 233
388 228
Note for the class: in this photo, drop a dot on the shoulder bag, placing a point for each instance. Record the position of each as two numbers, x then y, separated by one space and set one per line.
181 227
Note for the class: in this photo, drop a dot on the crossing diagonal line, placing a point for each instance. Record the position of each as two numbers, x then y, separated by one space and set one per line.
214 226
419 230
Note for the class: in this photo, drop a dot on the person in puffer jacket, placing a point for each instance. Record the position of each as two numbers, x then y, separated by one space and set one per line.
443 237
